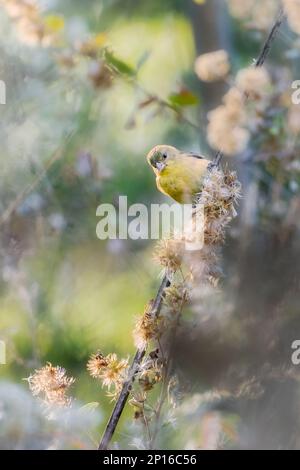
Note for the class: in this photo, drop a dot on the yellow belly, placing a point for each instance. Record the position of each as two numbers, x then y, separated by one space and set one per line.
182 181
175 189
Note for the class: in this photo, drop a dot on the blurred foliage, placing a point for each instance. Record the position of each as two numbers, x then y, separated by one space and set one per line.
64 294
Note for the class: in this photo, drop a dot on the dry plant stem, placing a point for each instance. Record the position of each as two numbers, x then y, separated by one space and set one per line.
146 424
121 401
161 402
261 60
140 353
268 43
167 374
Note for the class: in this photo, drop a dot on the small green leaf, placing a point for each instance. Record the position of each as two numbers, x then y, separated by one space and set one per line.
118 64
183 98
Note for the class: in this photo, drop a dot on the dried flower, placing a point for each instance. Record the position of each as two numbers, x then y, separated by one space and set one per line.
18 8
254 13
31 27
176 295
254 81
169 254
147 327
240 10
204 267
150 374
224 131
212 66
226 124
114 371
109 369
51 385
96 364
30 32
292 10
234 102
220 193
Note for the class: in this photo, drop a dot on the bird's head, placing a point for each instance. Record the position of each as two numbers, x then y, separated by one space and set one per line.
160 156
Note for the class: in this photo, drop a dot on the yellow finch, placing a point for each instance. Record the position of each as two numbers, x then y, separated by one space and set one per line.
178 174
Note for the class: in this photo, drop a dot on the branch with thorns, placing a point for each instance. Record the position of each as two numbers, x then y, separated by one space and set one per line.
166 281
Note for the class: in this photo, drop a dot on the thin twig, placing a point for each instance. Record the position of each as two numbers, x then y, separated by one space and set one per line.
161 401
5 216
146 424
167 372
140 353
260 61
164 103
268 43
152 97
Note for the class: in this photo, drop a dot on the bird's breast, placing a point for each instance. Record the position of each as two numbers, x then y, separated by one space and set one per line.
174 187
182 179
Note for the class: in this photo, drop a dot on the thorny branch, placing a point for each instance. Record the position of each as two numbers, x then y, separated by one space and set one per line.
140 353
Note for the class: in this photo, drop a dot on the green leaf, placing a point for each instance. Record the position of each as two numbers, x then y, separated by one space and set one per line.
183 98
118 64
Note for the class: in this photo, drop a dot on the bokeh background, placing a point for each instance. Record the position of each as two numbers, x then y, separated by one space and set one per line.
73 136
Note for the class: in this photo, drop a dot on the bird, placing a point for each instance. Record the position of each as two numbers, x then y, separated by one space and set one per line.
179 174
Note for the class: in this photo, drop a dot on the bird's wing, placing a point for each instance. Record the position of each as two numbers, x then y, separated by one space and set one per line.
194 155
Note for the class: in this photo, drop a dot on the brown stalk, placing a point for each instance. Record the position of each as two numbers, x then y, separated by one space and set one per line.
140 353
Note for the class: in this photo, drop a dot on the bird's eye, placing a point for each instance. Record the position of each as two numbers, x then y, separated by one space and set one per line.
164 155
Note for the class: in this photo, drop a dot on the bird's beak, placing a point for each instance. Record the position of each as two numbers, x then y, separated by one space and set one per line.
160 166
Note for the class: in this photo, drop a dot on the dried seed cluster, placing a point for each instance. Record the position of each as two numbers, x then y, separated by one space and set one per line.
51 385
